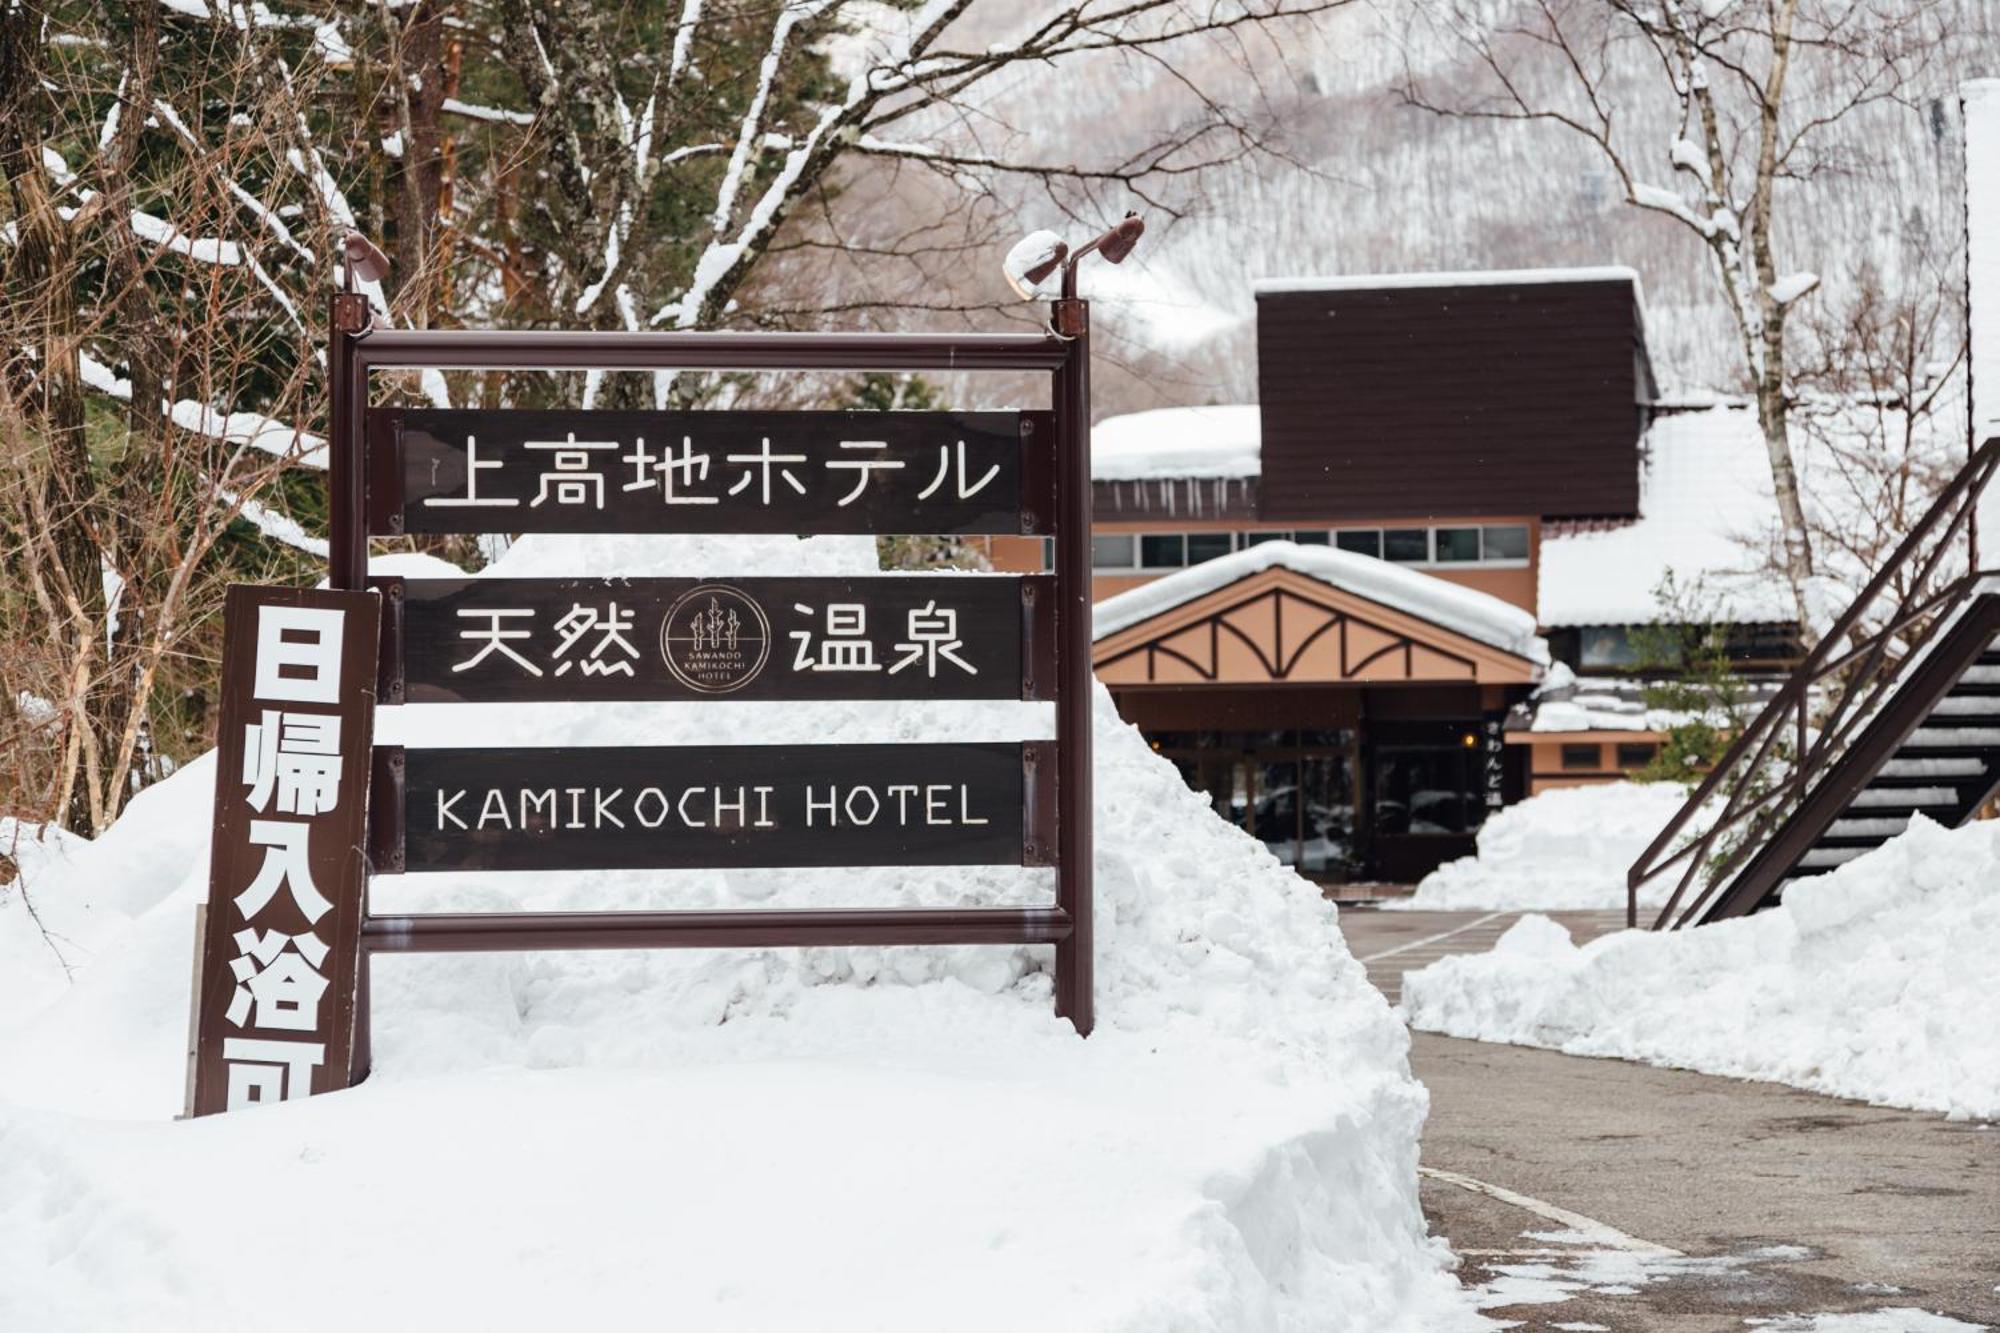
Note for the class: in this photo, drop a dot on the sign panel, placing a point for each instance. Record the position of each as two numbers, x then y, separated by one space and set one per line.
919 636
743 472
276 1009
719 807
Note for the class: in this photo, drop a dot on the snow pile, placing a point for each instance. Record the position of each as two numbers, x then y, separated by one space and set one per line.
841 1138
1475 614
1561 850
1192 442
1874 981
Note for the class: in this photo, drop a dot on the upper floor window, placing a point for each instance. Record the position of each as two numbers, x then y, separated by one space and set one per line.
1208 545
1361 541
1457 545
1111 550
1493 544
1163 550
1406 546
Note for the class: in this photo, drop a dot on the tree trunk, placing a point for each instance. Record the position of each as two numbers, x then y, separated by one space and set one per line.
1772 416
41 311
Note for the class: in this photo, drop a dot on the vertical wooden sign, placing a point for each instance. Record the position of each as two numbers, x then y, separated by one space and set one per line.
286 871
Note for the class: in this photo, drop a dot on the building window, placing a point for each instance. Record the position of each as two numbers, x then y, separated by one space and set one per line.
1428 790
1407 546
1206 546
1361 541
1166 550
1635 754
1504 543
1457 545
1111 550
1602 646
1585 758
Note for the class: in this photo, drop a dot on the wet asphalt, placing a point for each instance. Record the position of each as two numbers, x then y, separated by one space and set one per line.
1778 1202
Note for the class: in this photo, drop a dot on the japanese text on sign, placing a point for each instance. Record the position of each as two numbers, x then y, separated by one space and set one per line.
275 1003
465 471
909 636
292 764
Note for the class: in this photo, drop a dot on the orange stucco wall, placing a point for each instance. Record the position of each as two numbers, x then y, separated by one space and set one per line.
1545 766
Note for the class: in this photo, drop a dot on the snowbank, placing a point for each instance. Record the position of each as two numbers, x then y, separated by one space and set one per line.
839 1138
1874 981
1475 614
1563 850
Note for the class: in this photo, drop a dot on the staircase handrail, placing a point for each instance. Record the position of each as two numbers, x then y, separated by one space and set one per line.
1744 760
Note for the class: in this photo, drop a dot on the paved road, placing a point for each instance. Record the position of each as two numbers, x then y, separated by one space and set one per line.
1705 1201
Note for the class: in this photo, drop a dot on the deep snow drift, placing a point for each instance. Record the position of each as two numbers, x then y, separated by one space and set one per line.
1563 850
836 1139
1874 981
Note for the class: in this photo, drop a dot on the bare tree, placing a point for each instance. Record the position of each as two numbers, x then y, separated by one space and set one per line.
177 176
1755 94
159 263
1879 398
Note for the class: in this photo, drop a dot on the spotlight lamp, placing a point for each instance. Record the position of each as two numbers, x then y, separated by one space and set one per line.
1031 261
1040 255
365 259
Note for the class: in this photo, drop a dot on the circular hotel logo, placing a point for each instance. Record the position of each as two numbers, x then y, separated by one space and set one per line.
715 639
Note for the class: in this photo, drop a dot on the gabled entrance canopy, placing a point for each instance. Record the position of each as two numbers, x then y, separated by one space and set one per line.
1278 613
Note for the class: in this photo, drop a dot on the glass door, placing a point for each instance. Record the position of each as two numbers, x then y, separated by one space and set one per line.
1294 791
1274 819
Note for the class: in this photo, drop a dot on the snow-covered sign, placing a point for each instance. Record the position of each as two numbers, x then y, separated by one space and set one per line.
860 472
282 931
728 637
912 636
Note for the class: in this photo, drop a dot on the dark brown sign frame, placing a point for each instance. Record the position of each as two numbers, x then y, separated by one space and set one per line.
357 349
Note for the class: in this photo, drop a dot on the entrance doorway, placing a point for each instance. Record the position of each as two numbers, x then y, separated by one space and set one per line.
1294 791
1425 795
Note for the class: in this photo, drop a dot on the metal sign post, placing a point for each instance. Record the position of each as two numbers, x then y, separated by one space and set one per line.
718 639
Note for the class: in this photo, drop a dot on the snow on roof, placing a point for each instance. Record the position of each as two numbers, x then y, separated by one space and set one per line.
1705 503
1498 277
1197 442
1474 614
1565 703
1982 210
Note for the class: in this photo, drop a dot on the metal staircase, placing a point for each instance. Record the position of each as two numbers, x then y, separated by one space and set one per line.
1896 711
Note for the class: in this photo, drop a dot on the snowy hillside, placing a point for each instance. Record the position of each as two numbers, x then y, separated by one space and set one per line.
1359 182
837 1138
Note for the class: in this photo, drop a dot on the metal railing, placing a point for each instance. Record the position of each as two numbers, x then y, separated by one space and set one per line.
1776 760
